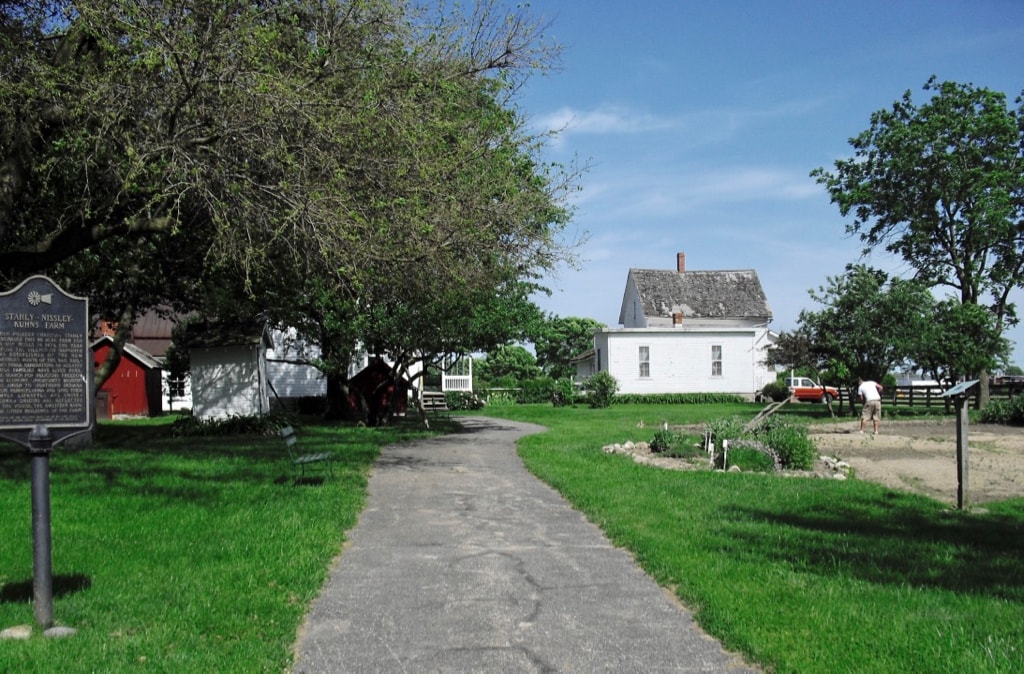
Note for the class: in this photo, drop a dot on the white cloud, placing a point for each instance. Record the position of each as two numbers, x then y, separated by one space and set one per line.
603 120
628 195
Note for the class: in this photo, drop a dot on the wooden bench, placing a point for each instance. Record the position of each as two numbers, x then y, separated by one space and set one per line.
300 461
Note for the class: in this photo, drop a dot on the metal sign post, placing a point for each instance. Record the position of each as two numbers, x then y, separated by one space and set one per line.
45 398
959 395
40 445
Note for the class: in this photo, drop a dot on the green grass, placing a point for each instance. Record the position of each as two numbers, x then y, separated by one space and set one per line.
800 575
202 554
179 554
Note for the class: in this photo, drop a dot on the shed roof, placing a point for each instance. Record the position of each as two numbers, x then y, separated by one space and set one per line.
198 334
132 351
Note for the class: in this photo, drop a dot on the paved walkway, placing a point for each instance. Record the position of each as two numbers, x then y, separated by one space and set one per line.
465 562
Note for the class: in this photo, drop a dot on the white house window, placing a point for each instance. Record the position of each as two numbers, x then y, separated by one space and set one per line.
645 361
716 360
176 387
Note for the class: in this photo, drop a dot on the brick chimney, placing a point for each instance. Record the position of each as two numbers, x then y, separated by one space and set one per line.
680 262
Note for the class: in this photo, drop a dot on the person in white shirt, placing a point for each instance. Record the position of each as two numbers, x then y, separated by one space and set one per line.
870 393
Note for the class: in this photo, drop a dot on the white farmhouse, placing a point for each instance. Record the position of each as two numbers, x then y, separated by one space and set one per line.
687 332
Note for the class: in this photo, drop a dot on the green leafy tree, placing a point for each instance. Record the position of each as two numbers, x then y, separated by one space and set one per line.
958 340
558 340
942 185
868 324
324 163
511 362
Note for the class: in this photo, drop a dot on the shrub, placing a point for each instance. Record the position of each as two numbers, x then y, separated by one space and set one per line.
787 441
677 398
776 390
750 455
600 388
790 442
665 441
536 390
725 428
1010 412
676 445
564 394
463 400
501 399
257 424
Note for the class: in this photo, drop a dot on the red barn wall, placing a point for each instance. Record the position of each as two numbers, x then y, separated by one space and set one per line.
129 389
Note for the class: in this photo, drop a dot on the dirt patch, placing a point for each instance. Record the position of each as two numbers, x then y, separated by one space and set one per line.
915 456
920 456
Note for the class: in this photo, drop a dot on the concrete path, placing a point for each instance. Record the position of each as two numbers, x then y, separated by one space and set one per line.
465 562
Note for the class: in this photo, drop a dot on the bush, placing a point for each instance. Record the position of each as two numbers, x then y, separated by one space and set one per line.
257 424
1009 412
752 456
676 445
678 398
536 390
463 400
725 428
790 442
564 394
600 388
776 390
501 399
665 442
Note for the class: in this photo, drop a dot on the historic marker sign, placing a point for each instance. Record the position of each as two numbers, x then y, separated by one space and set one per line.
45 397
45 368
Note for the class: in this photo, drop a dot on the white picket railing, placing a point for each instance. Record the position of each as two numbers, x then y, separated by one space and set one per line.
456 382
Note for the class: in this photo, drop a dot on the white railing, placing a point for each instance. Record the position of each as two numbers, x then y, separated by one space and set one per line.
456 382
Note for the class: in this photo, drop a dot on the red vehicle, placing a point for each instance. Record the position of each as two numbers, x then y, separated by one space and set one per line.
806 390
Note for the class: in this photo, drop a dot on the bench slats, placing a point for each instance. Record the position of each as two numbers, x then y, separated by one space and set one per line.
303 460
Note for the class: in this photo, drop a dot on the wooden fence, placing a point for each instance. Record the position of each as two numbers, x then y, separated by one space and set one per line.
927 396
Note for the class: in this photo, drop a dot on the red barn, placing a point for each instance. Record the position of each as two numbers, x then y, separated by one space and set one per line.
380 389
134 387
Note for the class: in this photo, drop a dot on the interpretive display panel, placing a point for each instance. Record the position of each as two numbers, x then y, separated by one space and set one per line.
45 368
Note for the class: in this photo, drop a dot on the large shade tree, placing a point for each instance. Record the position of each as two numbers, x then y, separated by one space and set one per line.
317 157
867 325
558 340
957 341
941 184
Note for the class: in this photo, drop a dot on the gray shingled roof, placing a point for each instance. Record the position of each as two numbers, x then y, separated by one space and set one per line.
701 294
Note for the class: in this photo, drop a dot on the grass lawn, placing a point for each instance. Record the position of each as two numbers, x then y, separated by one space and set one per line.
179 554
187 555
800 575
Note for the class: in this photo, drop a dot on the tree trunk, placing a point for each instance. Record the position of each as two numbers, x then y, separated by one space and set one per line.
983 394
120 338
336 407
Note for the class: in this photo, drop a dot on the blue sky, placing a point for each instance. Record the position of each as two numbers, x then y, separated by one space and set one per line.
702 120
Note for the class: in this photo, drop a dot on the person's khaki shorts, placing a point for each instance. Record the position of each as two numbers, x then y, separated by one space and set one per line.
872 411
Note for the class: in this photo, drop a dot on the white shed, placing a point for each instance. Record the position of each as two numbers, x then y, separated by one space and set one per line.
229 370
